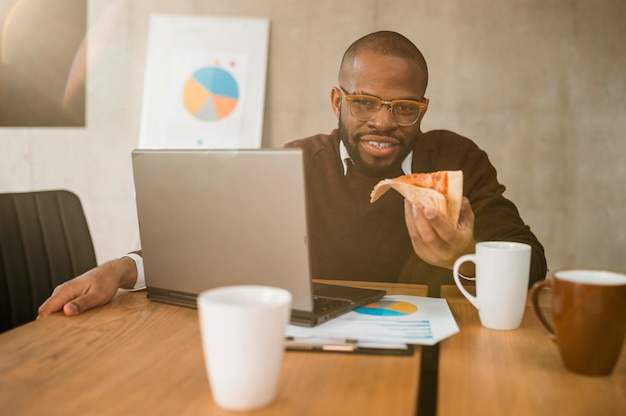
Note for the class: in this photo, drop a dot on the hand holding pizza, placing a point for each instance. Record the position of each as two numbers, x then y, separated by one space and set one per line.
439 219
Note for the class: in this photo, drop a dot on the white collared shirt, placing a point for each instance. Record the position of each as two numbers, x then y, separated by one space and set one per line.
345 159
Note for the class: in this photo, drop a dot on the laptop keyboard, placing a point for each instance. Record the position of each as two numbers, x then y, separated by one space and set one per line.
322 304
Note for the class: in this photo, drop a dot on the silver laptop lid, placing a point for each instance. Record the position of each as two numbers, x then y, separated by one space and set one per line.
210 218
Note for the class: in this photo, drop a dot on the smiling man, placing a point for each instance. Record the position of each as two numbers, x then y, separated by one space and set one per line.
379 102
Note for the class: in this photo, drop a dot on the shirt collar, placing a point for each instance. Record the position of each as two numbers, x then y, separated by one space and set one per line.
345 159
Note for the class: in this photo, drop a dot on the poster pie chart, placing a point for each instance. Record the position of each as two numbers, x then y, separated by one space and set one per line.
387 308
211 94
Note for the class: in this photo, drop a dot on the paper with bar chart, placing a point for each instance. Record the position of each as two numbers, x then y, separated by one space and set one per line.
393 319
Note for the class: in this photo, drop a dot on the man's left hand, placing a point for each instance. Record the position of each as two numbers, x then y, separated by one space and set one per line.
434 239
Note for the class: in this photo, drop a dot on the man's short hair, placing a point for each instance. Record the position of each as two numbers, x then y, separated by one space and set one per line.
385 43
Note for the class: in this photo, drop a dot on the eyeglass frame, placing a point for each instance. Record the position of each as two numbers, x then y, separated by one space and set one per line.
422 105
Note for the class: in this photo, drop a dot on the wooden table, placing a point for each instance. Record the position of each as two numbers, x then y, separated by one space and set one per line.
489 372
135 356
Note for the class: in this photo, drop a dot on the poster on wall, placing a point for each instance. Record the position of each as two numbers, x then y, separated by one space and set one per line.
43 63
204 84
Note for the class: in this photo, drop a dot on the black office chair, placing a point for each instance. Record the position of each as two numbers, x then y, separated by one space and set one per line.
44 241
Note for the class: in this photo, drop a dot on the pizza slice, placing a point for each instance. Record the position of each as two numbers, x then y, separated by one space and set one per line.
442 190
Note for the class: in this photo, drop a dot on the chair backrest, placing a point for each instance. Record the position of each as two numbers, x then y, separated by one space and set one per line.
44 241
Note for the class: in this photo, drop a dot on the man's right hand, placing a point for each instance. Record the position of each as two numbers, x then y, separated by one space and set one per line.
93 288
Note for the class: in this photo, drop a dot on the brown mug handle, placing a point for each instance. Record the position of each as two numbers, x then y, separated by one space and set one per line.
534 298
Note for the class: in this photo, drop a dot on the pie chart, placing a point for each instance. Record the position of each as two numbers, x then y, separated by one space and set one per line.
387 308
211 94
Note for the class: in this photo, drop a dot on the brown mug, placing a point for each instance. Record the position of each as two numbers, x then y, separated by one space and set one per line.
589 316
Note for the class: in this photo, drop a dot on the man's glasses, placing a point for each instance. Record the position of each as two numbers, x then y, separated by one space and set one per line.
365 107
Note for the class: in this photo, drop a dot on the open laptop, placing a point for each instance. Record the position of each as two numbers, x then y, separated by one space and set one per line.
210 218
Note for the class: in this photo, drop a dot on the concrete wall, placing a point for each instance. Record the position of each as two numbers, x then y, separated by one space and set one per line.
538 84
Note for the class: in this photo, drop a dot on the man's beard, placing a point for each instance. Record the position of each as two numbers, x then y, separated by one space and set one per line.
383 170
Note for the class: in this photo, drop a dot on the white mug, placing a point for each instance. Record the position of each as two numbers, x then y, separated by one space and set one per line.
502 273
243 334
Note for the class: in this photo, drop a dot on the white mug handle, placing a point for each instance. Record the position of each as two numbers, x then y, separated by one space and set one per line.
455 271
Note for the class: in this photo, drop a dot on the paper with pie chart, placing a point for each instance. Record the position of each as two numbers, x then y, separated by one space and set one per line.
204 84
393 319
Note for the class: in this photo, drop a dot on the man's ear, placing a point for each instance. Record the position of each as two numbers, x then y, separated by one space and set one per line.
335 101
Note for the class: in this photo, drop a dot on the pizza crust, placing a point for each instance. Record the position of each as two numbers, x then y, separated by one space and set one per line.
441 190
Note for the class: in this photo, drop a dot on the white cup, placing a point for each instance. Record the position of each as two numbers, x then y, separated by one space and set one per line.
243 333
502 273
